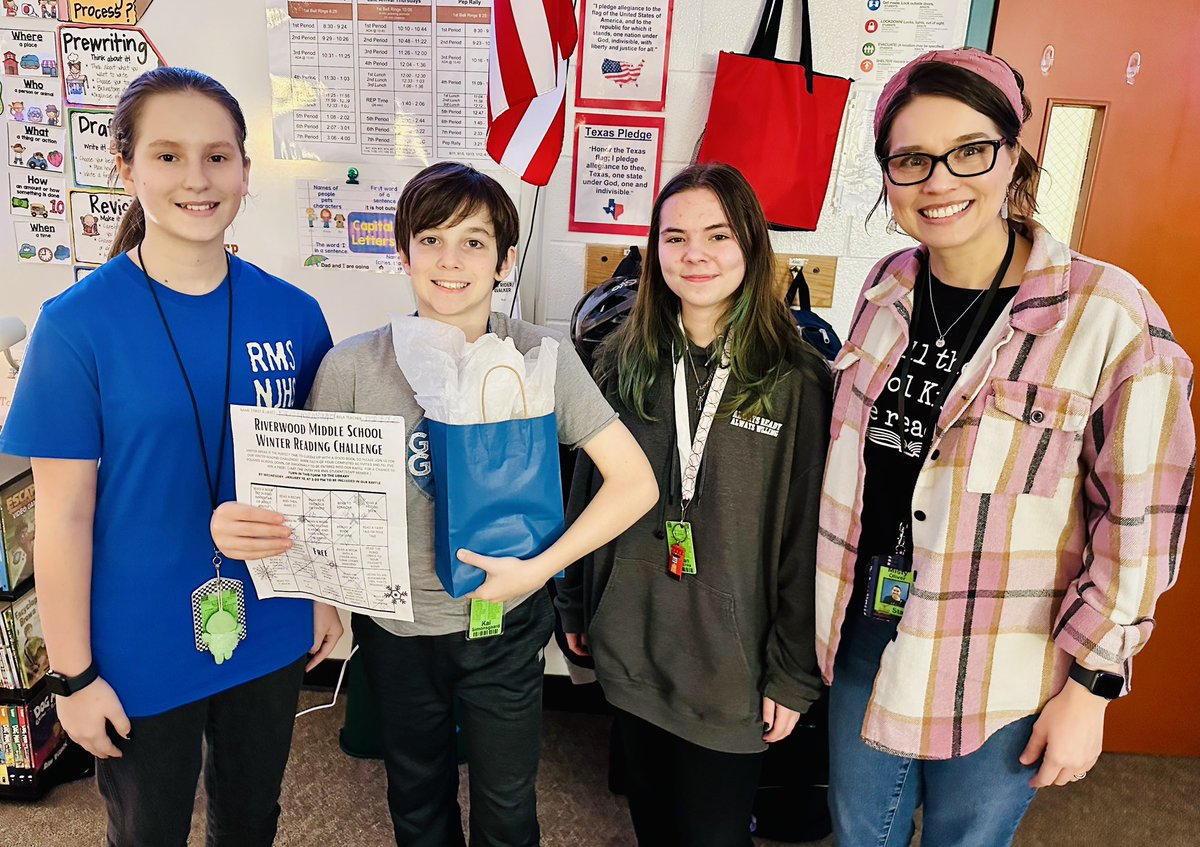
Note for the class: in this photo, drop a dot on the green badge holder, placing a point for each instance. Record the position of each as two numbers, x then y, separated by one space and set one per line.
219 617
487 619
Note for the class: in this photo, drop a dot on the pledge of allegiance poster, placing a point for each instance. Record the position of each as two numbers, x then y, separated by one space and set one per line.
617 162
624 49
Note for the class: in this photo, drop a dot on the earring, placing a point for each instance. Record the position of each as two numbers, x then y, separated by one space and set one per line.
1004 208
892 227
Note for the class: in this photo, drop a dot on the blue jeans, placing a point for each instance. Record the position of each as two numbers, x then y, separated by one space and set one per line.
974 801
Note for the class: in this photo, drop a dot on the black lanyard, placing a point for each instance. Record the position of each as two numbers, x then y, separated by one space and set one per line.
213 484
960 359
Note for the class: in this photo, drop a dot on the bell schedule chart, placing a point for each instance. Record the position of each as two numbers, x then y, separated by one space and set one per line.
403 80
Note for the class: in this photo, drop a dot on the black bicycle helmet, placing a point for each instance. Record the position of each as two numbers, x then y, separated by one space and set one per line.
605 307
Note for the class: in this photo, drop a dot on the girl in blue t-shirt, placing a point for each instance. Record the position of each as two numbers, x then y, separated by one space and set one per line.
157 644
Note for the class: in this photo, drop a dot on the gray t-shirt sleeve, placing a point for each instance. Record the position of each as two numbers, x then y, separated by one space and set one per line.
333 389
579 404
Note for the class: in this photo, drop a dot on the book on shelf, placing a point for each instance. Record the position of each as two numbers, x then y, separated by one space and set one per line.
16 530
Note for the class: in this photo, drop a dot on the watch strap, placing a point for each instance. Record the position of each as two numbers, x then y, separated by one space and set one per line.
65 686
1101 683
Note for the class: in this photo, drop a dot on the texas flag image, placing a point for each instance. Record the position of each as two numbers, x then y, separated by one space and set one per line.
613 208
621 72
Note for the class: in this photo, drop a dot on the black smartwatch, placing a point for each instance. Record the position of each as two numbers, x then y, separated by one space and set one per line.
1102 684
65 686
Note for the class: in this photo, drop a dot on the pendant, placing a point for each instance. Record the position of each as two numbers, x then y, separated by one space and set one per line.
219 617
941 342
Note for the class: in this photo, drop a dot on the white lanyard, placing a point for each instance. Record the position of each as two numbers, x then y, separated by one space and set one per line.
690 457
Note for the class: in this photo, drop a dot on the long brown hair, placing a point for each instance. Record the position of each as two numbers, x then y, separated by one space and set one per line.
756 321
123 133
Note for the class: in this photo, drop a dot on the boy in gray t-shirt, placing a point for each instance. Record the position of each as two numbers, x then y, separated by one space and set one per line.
458 230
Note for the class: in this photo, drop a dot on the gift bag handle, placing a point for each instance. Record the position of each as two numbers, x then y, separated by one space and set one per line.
483 389
766 40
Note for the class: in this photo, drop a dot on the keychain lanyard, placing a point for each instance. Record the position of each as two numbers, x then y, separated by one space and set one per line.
691 450
214 485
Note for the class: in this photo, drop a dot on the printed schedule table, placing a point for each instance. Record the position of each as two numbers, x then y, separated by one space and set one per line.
401 79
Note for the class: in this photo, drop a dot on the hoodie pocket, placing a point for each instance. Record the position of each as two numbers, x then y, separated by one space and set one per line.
680 638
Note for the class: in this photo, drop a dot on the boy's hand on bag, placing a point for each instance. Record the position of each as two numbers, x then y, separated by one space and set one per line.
241 531
507 577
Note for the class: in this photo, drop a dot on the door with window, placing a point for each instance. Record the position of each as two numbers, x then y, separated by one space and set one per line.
1115 88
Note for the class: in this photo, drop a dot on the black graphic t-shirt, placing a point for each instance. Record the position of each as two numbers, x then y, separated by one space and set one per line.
894 453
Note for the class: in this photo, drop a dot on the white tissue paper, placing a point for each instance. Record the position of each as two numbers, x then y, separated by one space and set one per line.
460 383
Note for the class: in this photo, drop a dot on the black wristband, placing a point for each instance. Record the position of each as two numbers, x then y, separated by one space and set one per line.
65 686
1101 683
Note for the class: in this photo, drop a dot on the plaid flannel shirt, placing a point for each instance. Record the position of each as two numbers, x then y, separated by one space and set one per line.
1049 514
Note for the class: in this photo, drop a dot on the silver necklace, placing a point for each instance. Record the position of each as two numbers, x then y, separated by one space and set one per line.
941 339
701 387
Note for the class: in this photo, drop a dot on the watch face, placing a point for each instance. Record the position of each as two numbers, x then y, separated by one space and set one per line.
1108 685
57 684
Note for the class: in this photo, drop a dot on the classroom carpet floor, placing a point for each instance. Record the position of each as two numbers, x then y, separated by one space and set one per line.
331 800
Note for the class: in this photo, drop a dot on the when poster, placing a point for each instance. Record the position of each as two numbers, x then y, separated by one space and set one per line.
624 51
99 62
94 219
91 158
42 241
617 163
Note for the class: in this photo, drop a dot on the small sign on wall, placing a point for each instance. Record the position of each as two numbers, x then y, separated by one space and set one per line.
617 163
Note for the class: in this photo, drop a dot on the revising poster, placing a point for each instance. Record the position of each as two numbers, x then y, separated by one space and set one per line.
616 164
99 62
94 219
624 50
91 159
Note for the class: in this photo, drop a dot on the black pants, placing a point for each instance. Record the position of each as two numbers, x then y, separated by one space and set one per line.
684 795
498 683
149 792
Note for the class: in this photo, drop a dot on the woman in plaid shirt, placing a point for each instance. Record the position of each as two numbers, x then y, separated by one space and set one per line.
1013 450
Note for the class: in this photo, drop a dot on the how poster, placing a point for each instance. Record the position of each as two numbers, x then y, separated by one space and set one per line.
33 100
91 159
616 169
94 219
41 241
624 48
28 52
99 62
38 148
33 194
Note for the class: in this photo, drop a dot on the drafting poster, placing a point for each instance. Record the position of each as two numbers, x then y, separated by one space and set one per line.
30 99
94 219
624 48
38 148
99 62
616 167
338 479
398 80
91 158
29 52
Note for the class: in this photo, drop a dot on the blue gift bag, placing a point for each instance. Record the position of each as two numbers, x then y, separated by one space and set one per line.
497 491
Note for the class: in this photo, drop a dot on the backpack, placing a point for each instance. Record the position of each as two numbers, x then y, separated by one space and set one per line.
813 328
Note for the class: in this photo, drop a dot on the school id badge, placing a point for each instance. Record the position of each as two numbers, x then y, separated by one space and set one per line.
889 581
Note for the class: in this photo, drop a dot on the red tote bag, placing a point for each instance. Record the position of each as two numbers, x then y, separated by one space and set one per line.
777 122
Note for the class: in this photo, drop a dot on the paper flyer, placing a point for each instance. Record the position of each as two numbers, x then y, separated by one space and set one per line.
617 162
41 241
339 480
91 159
94 219
32 99
892 34
624 53
39 148
99 62
33 194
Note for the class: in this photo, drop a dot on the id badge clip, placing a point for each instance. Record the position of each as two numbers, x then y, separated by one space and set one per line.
889 582
681 551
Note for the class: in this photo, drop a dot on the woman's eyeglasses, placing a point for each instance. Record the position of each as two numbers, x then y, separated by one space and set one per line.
973 159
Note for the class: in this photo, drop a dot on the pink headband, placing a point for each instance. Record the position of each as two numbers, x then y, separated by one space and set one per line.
994 70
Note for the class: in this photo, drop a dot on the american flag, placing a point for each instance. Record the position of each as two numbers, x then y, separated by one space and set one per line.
621 72
527 82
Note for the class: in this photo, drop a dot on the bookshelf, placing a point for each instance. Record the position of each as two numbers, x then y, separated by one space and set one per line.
35 753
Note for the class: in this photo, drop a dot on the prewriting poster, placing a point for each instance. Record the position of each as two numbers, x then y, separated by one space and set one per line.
624 50
34 194
617 163
31 99
94 219
42 241
91 159
29 52
99 62
39 148
894 32
382 80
